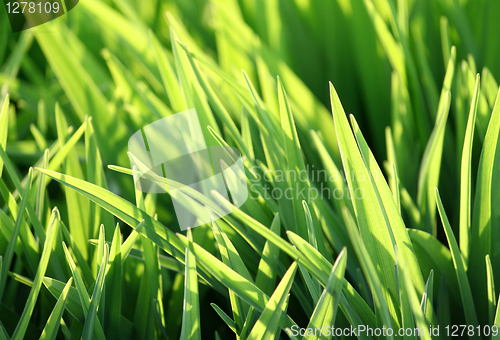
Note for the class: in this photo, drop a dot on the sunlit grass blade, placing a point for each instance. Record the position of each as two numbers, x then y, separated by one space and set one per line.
4 124
458 261
232 280
91 315
266 325
37 282
485 233
492 299
423 330
113 286
326 308
9 252
130 241
428 299
368 267
374 227
431 161
389 207
124 210
465 182
191 311
81 90
52 326
83 295
267 270
232 259
229 322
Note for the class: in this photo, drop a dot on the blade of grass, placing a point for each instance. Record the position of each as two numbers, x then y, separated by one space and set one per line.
9 252
465 174
267 324
326 308
51 328
52 232
91 316
491 291
372 220
191 310
4 124
458 261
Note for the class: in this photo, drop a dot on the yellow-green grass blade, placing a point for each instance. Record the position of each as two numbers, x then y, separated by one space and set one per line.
326 308
379 299
196 197
168 75
152 263
26 240
267 270
91 316
312 286
430 167
445 38
491 291
245 289
407 320
428 299
11 170
229 322
485 234
95 174
267 324
351 303
465 177
82 92
193 94
420 321
51 328
113 287
497 323
73 304
390 209
231 258
4 124
77 215
293 154
52 233
191 311
372 220
123 210
82 264
433 255
83 295
489 86
458 262
135 93
216 103
40 196
3 333
9 252
128 244
336 183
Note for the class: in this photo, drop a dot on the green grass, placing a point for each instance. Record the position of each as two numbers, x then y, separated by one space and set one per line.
395 101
